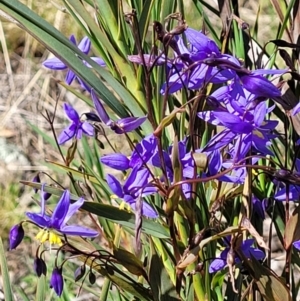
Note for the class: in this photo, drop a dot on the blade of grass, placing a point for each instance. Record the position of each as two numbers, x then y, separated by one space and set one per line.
5 276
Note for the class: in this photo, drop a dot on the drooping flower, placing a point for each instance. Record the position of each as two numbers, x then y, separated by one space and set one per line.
57 281
248 251
76 128
56 64
39 266
121 126
135 186
63 211
16 235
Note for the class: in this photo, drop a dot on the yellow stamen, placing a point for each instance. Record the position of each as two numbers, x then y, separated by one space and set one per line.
258 134
54 239
46 235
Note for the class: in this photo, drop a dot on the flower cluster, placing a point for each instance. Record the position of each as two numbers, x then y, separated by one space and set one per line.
239 111
52 229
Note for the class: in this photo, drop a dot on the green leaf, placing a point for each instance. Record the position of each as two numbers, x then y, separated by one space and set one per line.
126 219
129 261
5 276
41 289
132 287
161 284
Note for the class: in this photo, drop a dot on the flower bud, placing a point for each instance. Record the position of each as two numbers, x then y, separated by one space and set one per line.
46 195
79 273
16 235
92 278
57 281
39 266
36 179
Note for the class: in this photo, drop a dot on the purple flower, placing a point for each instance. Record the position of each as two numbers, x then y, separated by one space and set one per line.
142 154
296 244
134 187
116 161
248 251
120 126
57 64
57 281
198 64
16 235
63 211
244 122
76 128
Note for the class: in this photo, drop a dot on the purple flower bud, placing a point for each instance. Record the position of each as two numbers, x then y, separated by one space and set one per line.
39 266
36 179
16 235
79 273
57 281
47 195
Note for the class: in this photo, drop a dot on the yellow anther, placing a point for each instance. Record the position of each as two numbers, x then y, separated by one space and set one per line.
54 239
42 236
46 235
258 134
122 205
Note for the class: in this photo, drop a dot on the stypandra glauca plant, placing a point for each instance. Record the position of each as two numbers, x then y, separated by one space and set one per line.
212 151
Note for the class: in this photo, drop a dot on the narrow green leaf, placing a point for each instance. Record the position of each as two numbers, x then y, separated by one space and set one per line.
7 289
41 289
161 284
126 219
129 261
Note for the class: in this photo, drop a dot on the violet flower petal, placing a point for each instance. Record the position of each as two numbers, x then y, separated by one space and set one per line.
87 128
42 221
129 124
259 86
71 113
54 64
116 161
79 231
73 208
114 185
100 109
70 76
96 59
67 134
57 281
60 210
296 244
85 45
